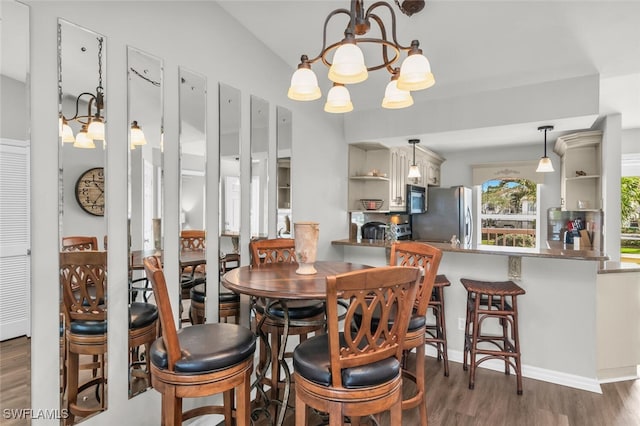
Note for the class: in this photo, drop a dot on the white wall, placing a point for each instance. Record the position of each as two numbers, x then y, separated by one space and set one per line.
201 37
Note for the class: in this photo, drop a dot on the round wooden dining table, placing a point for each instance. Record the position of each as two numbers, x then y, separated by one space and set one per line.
279 283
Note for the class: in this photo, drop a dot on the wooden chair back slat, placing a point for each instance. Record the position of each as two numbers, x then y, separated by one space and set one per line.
153 268
423 256
272 251
82 278
193 239
388 290
79 243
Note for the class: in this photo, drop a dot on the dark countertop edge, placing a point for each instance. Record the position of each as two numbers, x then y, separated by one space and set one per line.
545 253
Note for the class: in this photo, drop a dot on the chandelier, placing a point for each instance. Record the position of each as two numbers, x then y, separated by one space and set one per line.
92 123
348 66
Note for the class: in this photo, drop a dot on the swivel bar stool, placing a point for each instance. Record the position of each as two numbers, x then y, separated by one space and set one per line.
492 299
437 333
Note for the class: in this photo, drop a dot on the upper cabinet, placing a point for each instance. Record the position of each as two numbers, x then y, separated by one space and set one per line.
580 176
378 175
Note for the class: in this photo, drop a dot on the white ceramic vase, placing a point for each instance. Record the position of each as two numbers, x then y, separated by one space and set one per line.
306 241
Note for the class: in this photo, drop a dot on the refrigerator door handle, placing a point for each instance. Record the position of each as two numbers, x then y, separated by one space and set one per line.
468 224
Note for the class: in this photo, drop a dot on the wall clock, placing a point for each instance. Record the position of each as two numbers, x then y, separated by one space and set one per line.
90 191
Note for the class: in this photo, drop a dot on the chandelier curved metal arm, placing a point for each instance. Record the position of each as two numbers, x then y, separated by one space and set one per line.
347 65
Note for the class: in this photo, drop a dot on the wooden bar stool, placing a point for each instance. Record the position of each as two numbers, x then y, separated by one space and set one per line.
437 333
492 299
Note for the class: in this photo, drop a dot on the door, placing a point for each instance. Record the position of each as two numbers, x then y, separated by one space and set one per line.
15 289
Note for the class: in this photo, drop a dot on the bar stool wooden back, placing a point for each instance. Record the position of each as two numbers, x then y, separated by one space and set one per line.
275 251
426 257
200 360
82 280
497 300
79 243
355 369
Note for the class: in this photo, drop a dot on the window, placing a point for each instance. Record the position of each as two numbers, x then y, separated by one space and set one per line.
508 212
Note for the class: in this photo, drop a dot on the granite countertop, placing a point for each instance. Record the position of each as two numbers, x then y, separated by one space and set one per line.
555 253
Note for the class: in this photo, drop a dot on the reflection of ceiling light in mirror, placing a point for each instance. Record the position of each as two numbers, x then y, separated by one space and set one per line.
65 131
83 140
137 136
96 128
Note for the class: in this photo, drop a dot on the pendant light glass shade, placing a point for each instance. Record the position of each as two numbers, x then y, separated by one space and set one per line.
83 140
414 172
304 85
137 136
545 166
348 65
96 129
395 98
415 72
65 131
338 100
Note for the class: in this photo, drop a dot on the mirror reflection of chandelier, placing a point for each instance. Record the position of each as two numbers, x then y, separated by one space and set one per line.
348 66
92 123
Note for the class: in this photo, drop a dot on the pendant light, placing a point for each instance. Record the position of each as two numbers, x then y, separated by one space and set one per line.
414 171
545 166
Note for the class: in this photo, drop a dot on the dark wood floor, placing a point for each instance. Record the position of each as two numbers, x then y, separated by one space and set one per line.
493 402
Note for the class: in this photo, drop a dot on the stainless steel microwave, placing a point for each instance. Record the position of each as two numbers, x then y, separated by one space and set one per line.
416 199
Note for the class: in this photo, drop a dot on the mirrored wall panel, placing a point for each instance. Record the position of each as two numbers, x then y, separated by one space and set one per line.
229 157
145 118
283 170
83 230
193 154
259 167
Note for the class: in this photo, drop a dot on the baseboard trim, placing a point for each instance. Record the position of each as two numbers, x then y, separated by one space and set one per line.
531 372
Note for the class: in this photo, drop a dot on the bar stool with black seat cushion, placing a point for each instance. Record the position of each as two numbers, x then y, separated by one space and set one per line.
275 251
198 361
143 331
437 333
355 370
498 300
82 281
229 305
427 258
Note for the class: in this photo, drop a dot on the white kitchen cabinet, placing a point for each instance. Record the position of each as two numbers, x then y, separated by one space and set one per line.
399 166
369 166
581 169
379 172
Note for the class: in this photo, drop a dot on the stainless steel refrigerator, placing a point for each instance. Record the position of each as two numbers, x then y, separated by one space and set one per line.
449 212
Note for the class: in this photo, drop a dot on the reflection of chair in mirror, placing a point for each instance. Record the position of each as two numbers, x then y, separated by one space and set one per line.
86 324
275 251
191 240
229 302
79 243
185 363
427 258
355 369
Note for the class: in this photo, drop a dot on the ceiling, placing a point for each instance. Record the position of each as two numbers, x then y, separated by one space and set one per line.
476 46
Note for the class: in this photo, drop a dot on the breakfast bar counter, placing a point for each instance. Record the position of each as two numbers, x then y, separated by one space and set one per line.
578 324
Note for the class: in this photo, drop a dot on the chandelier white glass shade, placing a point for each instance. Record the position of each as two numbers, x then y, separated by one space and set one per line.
545 166
347 65
414 171
92 122
83 140
137 135
338 99
415 72
304 83
394 98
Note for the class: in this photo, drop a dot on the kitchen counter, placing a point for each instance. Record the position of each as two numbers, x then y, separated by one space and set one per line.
575 303
555 252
